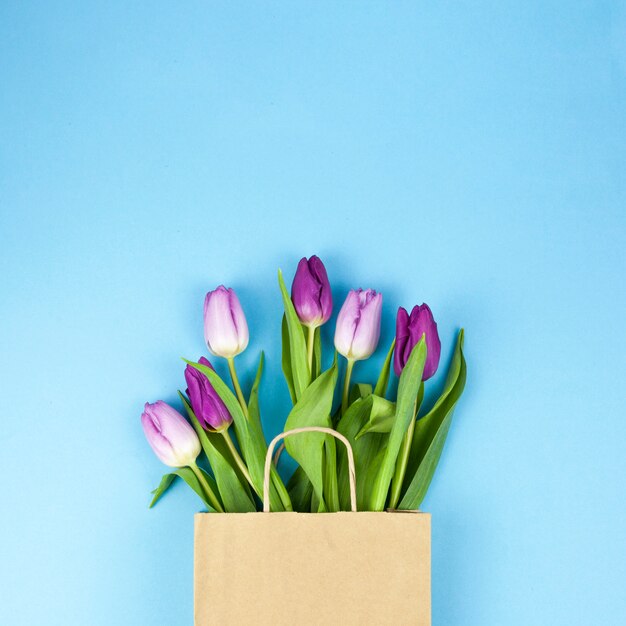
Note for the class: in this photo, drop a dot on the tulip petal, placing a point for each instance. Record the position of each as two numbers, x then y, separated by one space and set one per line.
225 326
169 434
402 338
310 292
347 321
367 331
207 406
239 320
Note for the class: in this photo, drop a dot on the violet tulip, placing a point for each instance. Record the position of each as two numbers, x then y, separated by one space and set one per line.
205 402
409 330
358 324
310 292
225 326
169 434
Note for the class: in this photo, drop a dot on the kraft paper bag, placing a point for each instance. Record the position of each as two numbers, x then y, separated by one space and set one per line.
348 568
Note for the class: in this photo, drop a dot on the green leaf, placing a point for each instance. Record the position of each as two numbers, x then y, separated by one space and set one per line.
253 402
166 481
249 434
190 478
359 390
297 343
383 378
286 360
373 467
254 413
300 491
312 409
365 451
234 494
408 388
331 489
381 417
431 432
446 397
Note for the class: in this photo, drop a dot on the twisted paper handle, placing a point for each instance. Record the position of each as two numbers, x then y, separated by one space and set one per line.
308 429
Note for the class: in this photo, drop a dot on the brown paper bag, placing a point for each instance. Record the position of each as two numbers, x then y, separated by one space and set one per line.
304 568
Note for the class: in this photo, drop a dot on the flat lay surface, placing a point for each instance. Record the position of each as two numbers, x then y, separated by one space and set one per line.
466 155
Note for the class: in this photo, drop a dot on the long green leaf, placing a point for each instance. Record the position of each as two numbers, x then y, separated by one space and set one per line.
249 434
234 495
255 418
300 491
286 359
431 431
331 489
383 378
253 402
421 432
408 389
297 343
312 409
190 478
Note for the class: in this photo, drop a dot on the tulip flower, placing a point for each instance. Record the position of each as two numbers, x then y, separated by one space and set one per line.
211 411
358 324
312 298
358 330
205 402
225 326
226 331
170 435
175 442
409 330
310 292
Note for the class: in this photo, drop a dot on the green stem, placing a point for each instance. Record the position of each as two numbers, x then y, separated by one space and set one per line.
310 344
238 460
237 386
207 488
403 458
346 386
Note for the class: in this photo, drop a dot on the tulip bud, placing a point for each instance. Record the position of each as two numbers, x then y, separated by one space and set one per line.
310 292
409 330
358 324
225 326
169 434
206 404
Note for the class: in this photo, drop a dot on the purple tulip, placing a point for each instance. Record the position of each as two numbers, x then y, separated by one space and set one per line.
409 330
225 326
206 404
358 324
310 292
169 434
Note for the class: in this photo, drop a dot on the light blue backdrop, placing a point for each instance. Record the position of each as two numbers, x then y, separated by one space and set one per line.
470 155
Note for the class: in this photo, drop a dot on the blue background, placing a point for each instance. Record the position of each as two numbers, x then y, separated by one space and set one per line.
466 154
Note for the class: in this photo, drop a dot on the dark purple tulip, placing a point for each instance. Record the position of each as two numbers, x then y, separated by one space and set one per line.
310 292
206 404
409 330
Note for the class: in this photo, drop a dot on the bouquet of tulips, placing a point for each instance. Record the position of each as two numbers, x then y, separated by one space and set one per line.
396 445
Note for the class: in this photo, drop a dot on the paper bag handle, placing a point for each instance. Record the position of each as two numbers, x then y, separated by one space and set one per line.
308 429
